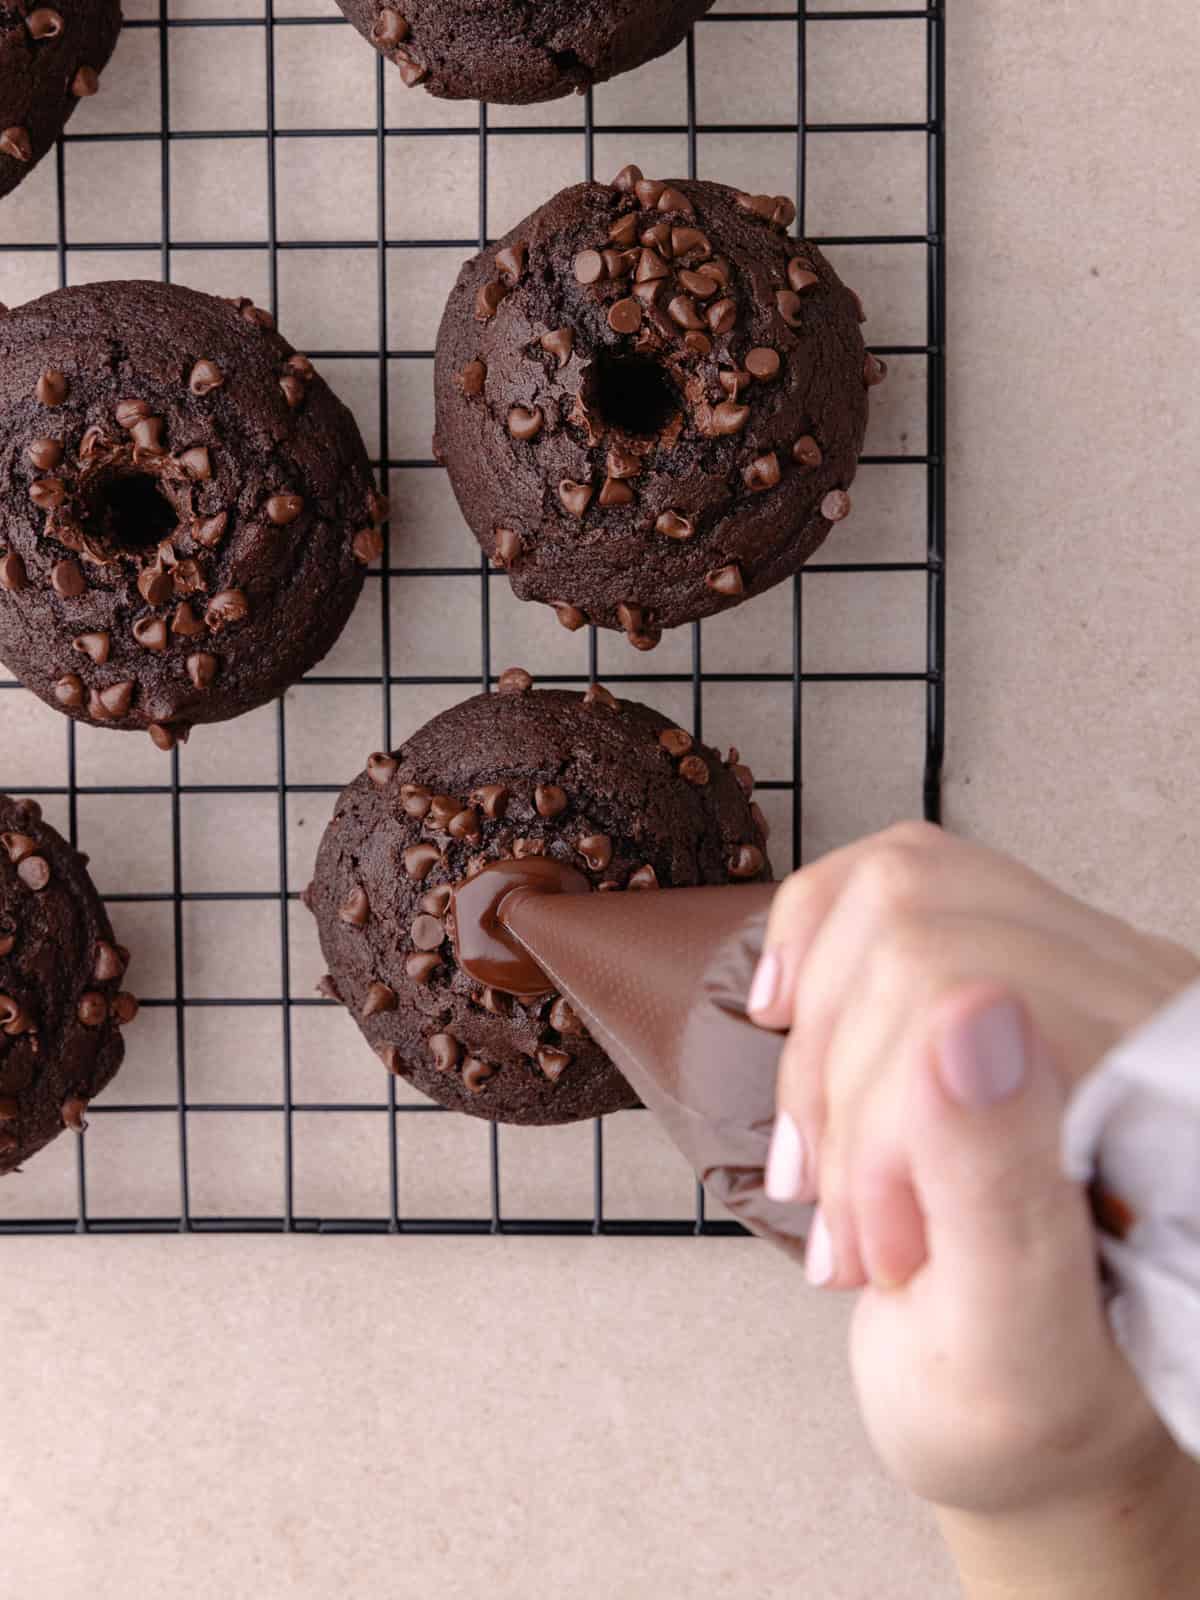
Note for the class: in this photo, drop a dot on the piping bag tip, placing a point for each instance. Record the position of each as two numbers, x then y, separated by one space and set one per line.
660 980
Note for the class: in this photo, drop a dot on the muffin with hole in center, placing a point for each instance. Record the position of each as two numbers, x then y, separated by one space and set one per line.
651 401
608 788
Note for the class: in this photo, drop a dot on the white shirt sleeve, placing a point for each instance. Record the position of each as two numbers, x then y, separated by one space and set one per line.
1133 1127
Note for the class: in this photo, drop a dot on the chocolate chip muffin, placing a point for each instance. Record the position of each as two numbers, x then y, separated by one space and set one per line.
651 401
609 787
50 59
186 508
512 52
61 1002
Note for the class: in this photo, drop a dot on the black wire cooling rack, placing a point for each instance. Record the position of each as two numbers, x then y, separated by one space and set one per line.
793 28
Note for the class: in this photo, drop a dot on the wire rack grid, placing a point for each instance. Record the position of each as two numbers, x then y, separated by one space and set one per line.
794 28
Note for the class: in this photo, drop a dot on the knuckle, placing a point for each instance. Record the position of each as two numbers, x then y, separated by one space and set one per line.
892 876
914 834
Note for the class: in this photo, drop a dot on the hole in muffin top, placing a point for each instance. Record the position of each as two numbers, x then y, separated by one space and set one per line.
632 393
129 513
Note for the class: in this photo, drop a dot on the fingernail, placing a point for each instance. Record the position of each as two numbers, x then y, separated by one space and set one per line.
984 1059
818 1259
766 982
786 1161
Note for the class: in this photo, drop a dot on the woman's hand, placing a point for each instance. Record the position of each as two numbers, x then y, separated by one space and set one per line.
942 1000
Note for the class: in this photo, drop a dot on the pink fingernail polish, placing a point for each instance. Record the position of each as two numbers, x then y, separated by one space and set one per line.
786 1161
984 1060
819 1265
766 981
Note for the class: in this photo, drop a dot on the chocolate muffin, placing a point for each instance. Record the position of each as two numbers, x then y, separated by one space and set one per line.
512 52
50 59
651 401
186 508
609 787
61 1002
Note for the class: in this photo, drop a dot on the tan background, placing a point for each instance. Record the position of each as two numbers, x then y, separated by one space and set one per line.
608 1418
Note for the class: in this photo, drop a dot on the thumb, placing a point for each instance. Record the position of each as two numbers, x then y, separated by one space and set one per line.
1003 1221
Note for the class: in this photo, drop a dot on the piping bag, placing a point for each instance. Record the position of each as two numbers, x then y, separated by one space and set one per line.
660 981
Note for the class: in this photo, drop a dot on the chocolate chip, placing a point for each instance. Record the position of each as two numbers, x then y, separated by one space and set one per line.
676 200
18 846
422 965
427 932
762 473
647 293
72 1111
465 825
34 873
472 379
112 702
575 497
68 691
13 577
329 989
14 1018
726 580
514 680
52 386
699 284
801 277
624 230
563 1018
569 616
379 998
807 452
721 316
186 577
495 1002
649 191
695 770
367 545
445 1050
746 861
698 343
627 179
209 531
416 799
589 267
682 310
151 633
790 308
644 878
202 669
742 774
836 505
155 586
147 437
733 382
525 422
379 507
507 546
410 69
717 268
645 638
108 963
205 377
619 263
630 617
729 418
93 645
293 390
492 800
381 768
674 525
15 142
355 912
420 860
596 849
437 901
476 1073
550 800
442 807
301 366
284 508
658 238
559 343
228 607
85 82
763 363
390 29
511 261
553 1062
44 23
196 463
8 943
45 454
528 847
650 267
625 316
874 371
92 1009
489 299
162 737
615 493
68 580
597 695
185 622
